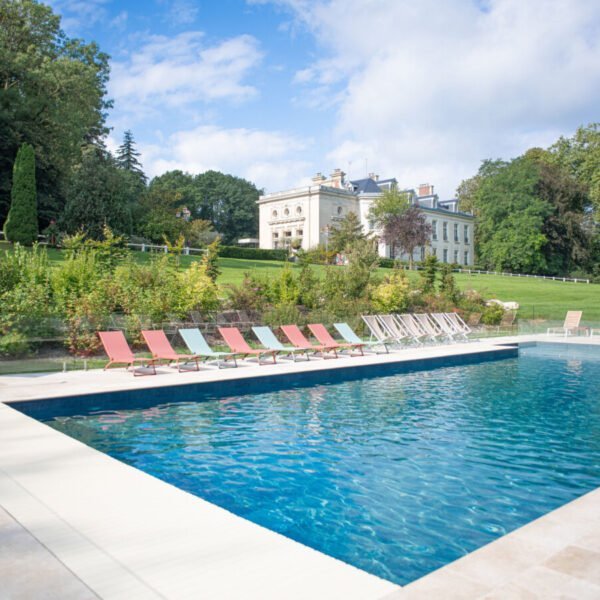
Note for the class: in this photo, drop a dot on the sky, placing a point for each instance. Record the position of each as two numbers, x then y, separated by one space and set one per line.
277 90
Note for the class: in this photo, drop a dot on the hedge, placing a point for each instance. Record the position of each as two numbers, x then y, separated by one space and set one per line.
252 253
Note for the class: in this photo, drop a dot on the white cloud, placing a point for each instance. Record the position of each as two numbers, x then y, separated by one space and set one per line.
173 72
426 90
77 15
267 158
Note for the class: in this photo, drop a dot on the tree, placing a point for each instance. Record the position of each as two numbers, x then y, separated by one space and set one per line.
52 92
96 196
580 156
210 260
22 222
229 203
403 224
348 231
127 157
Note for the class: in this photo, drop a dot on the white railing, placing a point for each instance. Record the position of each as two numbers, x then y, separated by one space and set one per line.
163 248
551 277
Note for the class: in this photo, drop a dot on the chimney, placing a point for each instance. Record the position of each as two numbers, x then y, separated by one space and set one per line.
425 189
318 178
373 176
337 178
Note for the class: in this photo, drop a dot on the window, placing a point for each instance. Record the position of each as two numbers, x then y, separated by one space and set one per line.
298 210
445 231
287 234
466 234
456 257
467 257
434 251
286 212
339 210
275 235
299 232
445 255
434 230
423 253
274 213
456 232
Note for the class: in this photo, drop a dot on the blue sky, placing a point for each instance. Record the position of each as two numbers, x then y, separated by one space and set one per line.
275 91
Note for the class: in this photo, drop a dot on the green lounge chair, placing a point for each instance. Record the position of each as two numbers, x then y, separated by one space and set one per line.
267 338
350 336
195 341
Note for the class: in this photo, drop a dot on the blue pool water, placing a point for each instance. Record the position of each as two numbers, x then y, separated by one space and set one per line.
397 475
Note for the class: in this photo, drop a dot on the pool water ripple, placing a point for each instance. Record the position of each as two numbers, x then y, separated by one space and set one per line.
396 475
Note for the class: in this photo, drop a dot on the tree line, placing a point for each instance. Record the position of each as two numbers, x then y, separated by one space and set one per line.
539 213
53 111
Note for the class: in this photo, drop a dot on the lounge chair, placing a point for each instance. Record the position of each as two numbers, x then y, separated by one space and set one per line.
325 338
118 351
415 329
450 326
196 343
239 345
570 325
267 338
436 331
378 331
350 336
397 330
161 349
298 339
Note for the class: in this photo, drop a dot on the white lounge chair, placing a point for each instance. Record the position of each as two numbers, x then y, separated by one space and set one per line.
414 328
379 332
570 326
395 328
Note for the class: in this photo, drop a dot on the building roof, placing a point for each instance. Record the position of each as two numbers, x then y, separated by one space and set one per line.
365 186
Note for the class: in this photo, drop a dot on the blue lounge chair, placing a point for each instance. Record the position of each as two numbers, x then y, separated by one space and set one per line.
350 336
195 341
267 338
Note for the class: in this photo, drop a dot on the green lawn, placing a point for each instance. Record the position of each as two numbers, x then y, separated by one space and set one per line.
539 299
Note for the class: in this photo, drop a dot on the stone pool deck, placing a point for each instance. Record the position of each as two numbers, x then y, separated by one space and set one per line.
75 523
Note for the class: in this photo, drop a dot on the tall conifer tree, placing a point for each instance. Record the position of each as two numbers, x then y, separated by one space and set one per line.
22 221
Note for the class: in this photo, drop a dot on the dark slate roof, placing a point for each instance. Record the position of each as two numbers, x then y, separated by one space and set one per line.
365 186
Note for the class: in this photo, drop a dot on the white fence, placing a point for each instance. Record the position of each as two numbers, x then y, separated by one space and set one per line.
551 277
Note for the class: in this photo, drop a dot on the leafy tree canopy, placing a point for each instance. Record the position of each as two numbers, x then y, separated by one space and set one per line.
52 92
228 202
96 196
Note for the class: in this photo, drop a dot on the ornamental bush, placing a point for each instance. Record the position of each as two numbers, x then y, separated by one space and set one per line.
22 223
393 294
252 253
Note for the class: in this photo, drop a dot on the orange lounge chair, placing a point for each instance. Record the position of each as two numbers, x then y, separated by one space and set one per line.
118 351
298 339
321 333
161 349
239 345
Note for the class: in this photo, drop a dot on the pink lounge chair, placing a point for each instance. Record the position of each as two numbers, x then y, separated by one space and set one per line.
118 351
298 339
239 345
325 338
161 349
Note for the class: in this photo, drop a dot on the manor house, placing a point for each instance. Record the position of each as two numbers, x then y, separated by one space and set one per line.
307 214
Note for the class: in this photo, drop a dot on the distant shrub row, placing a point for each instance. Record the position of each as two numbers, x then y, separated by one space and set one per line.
252 253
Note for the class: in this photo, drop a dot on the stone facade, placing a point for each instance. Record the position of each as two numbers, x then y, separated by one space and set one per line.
304 216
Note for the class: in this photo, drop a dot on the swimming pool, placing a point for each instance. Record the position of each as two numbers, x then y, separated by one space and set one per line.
397 475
